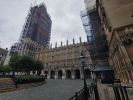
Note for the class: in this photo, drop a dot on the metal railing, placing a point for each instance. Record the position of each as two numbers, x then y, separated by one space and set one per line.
78 95
121 92
91 92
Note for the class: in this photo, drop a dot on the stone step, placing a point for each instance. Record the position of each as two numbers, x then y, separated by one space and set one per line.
30 85
6 81
6 84
8 89
10 86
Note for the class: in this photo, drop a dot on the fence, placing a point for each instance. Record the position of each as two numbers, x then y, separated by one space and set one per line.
120 92
78 95
90 91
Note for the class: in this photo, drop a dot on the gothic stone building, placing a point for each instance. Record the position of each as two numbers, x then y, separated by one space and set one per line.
117 24
63 62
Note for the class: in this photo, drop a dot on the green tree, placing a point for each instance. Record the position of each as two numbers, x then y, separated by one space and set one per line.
38 66
15 62
34 67
1 68
5 68
26 63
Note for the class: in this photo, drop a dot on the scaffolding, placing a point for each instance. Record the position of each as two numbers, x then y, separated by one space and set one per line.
37 28
98 45
86 24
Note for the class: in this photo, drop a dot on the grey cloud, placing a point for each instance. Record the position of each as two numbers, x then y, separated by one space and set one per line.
65 15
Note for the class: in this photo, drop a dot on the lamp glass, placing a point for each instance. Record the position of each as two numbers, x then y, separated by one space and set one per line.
82 58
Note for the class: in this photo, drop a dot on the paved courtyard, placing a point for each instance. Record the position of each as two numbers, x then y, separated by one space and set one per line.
52 90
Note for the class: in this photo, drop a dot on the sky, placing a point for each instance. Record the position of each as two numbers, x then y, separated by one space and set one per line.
65 16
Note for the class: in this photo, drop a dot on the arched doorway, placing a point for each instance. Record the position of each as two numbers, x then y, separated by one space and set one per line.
87 74
68 74
77 74
60 74
52 74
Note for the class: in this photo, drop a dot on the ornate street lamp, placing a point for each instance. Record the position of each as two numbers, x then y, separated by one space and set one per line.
82 58
91 68
94 83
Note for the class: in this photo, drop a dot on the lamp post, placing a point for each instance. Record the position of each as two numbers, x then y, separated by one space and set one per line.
82 58
95 84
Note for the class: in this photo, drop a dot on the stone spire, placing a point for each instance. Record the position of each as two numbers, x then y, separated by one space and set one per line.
73 41
80 40
67 43
50 46
56 45
61 43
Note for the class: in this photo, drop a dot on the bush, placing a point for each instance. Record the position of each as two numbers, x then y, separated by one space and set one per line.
28 79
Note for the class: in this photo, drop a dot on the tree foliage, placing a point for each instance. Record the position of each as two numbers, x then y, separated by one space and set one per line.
38 66
25 64
15 62
5 68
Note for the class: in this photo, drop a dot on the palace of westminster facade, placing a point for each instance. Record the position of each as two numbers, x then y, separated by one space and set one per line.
63 62
116 24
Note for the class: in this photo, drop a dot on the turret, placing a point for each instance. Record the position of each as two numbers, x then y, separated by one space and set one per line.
56 45
73 41
67 43
80 40
61 43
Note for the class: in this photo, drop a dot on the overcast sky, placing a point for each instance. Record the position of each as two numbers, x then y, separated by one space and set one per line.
65 15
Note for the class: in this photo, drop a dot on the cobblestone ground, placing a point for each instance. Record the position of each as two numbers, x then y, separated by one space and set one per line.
52 90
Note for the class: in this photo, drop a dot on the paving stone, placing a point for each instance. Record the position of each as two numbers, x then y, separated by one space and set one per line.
52 90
